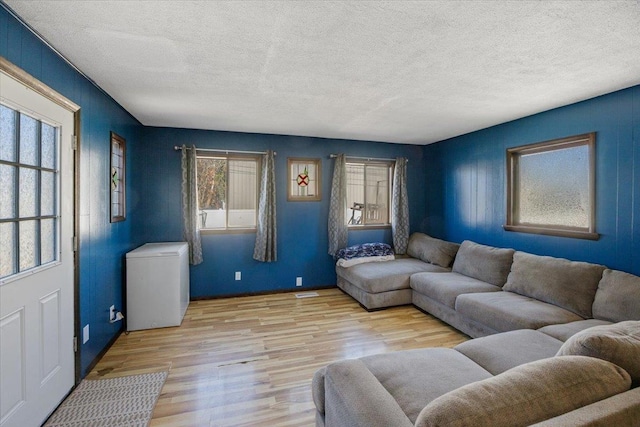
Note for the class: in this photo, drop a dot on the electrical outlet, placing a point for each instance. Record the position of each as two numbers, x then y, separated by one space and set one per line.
112 313
85 334
298 281
238 275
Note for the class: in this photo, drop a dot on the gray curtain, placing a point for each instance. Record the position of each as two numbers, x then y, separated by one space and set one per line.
400 207
338 230
266 248
190 230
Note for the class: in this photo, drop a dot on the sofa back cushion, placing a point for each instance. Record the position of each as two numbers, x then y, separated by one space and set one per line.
484 263
617 297
527 394
618 343
431 250
568 284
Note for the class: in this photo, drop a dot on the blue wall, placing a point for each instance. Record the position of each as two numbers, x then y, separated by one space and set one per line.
467 177
102 245
302 226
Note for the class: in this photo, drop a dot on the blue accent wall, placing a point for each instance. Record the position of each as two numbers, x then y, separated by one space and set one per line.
467 191
102 244
302 226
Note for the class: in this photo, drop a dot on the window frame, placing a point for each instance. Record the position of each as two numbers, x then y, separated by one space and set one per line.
117 197
232 156
390 164
513 156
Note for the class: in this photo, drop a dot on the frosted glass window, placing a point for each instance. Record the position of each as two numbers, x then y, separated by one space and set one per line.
227 192
7 249
8 194
47 240
48 159
28 249
29 184
368 195
28 140
551 187
7 134
47 193
28 192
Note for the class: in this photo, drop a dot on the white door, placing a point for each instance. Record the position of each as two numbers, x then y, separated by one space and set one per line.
36 255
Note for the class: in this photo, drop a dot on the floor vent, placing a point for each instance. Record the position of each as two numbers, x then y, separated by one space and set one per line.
307 295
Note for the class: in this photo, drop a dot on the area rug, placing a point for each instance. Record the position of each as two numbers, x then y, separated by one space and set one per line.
125 401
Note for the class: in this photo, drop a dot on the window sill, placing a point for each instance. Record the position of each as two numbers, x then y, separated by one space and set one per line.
577 234
211 231
369 227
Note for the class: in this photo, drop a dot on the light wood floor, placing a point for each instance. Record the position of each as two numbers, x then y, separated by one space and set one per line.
249 361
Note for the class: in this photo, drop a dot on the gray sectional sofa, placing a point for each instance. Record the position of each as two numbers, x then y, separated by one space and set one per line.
525 311
516 378
385 284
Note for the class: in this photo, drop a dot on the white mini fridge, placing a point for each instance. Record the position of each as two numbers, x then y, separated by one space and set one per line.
157 285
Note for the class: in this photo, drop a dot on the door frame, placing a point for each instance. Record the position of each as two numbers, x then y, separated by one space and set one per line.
37 86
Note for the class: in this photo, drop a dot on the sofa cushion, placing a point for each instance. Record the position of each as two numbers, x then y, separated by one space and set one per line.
618 297
385 276
565 331
506 311
568 284
431 250
501 352
484 263
618 343
416 377
445 287
527 394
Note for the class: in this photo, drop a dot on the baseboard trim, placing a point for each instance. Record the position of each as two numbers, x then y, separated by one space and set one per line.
273 292
100 355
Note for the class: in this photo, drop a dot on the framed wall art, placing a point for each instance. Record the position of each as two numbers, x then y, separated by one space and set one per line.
304 180
117 188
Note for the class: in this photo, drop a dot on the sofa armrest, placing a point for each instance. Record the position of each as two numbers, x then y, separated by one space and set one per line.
353 397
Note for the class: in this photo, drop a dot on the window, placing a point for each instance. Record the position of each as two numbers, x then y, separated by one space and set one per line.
550 188
117 178
368 195
29 196
227 192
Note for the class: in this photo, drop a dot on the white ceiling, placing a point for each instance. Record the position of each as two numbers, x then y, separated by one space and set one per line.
397 71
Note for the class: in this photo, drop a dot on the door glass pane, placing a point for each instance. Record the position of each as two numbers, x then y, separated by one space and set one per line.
554 187
48 159
48 240
242 193
7 134
28 192
28 232
47 193
28 140
7 192
7 249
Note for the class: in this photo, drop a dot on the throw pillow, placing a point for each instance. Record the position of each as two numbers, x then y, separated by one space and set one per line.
483 262
618 297
431 250
618 343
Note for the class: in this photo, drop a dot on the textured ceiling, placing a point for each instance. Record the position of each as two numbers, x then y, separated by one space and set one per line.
395 71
